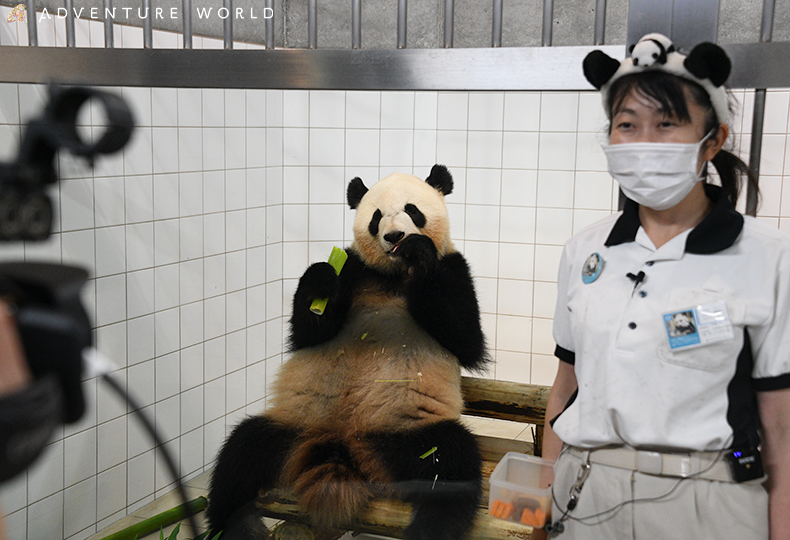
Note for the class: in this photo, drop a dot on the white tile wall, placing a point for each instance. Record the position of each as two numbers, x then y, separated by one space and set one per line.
196 235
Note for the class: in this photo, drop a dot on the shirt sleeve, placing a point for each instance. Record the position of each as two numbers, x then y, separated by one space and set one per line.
771 341
562 329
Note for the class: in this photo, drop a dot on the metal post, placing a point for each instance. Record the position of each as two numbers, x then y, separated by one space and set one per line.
356 24
148 25
32 28
767 25
402 19
449 15
109 37
755 149
270 25
70 38
312 24
600 21
496 29
227 24
548 22
186 7
758 116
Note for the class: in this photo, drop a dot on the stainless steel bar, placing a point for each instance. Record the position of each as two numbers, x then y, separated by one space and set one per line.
312 24
548 22
186 8
645 16
693 22
270 25
767 25
148 25
496 24
227 25
760 65
600 22
758 114
32 24
356 24
109 34
402 22
70 38
449 22
755 149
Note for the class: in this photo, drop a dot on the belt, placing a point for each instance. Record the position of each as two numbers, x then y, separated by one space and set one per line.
705 465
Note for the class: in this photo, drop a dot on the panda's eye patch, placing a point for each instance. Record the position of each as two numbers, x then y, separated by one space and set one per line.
416 216
373 226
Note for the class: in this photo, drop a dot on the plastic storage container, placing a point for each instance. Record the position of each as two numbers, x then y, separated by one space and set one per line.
515 494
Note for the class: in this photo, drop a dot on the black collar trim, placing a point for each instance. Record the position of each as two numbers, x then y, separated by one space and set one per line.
716 232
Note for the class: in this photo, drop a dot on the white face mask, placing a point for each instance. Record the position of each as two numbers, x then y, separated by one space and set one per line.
656 175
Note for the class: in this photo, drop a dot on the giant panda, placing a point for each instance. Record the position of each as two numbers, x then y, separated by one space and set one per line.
373 384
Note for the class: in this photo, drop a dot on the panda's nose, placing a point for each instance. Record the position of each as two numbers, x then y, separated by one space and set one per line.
394 237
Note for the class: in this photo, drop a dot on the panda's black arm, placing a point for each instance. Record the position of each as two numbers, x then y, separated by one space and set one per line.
444 303
321 281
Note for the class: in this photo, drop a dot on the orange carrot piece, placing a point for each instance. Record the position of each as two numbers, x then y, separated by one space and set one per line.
528 518
507 511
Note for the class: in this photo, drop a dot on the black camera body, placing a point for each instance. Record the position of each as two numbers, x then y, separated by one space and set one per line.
25 209
52 323
45 298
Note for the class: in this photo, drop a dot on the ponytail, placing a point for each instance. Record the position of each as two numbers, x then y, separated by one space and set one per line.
732 170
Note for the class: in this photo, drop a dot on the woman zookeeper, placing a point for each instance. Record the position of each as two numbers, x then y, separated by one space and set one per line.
670 412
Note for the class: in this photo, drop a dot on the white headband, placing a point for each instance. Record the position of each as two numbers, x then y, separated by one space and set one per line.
707 65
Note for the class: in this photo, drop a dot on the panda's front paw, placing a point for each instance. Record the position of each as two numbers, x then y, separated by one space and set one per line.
319 281
419 252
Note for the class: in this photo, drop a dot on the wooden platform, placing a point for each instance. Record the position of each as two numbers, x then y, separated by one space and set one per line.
517 402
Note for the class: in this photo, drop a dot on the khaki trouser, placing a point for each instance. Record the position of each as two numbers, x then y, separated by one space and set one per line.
662 507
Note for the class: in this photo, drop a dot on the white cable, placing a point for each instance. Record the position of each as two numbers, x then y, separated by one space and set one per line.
96 364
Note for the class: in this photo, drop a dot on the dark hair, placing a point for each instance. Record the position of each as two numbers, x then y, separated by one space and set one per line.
669 92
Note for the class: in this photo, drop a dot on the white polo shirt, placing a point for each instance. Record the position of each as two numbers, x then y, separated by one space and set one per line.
672 358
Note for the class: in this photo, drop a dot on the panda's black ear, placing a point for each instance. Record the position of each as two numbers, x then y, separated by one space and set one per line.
441 179
356 190
709 61
599 67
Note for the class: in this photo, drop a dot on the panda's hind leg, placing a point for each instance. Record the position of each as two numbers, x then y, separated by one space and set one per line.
250 460
443 485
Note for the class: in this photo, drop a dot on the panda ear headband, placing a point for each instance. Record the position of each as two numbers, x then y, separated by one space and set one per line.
707 65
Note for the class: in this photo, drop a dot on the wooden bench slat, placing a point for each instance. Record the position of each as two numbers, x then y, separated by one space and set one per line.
388 517
518 402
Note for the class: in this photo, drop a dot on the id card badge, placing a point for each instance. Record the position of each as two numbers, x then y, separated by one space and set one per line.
698 326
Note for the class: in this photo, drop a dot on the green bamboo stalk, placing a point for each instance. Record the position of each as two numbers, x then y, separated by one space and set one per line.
160 521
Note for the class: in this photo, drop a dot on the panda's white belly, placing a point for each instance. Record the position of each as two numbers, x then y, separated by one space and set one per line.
382 372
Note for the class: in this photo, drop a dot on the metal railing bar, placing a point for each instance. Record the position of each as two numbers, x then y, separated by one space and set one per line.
186 8
496 25
70 38
109 35
758 114
402 23
449 22
767 24
32 28
270 25
356 24
600 22
755 148
548 22
312 24
755 65
148 25
227 25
